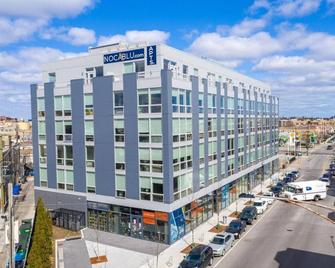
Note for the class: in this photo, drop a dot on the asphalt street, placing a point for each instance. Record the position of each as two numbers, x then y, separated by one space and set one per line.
288 236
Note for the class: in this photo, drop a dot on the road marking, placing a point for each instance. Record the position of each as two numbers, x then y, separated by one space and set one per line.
245 234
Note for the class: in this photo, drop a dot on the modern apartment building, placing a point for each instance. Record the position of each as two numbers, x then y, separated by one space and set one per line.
148 141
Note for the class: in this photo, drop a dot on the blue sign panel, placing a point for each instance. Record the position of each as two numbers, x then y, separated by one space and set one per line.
124 56
308 188
151 55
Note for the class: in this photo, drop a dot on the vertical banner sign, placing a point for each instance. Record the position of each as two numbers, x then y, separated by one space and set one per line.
151 55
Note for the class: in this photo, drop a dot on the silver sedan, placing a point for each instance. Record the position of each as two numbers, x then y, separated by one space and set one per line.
221 243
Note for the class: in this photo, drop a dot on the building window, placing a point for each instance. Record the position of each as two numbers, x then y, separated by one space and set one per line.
181 101
182 129
88 102
118 102
151 189
231 126
41 130
120 186
68 130
240 125
43 154
90 182
40 107
119 130
62 106
135 66
52 77
60 154
90 156
182 158
89 130
68 155
149 98
231 146
182 185
151 160
212 127
119 159
43 177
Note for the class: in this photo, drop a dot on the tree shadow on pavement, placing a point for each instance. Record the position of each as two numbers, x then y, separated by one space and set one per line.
303 259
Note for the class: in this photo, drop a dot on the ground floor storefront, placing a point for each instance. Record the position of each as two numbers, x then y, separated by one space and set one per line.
169 227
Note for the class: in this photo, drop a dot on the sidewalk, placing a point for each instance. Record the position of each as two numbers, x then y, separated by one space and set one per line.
172 256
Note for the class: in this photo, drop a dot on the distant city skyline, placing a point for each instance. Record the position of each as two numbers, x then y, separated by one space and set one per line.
288 44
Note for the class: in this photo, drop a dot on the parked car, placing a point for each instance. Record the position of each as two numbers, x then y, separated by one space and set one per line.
261 205
268 197
326 180
276 190
221 243
288 179
329 147
236 227
280 184
249 214
295 173
246 195
199 257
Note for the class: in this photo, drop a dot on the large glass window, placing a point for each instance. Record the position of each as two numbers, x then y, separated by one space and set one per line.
89 130
90 156
119 130
90 182
120 185
88 102
118 102
41 107
119 158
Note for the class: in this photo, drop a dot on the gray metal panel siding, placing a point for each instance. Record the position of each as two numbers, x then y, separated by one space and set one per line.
226 127
271 124
235 130
245 129
195 133
256 127
262 122
34 119
50 134
249 129
131 134
78 135
166 77
104 135
205 82
218 129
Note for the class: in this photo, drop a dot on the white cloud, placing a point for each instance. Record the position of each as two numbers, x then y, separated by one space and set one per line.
297 8
221 48
259 4
289 64
25 65
12 30
44 8
246 27
153 36
191 34
74 35
318 45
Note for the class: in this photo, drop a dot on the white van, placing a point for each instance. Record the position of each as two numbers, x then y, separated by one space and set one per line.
306 190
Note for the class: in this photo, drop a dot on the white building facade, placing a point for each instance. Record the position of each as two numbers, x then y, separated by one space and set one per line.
148 141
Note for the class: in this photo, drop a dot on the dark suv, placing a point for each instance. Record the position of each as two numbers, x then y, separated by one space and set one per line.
249 214
236 227
201 256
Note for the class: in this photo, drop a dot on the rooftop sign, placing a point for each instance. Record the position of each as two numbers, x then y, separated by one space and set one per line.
124 56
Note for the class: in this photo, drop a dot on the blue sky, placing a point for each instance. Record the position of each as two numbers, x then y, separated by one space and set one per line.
287 43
